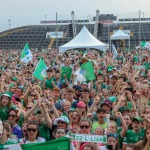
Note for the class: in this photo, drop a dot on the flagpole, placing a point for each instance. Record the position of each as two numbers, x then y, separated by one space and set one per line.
56 31
139 26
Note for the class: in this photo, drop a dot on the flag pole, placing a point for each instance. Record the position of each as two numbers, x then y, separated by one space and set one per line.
139 26
56 31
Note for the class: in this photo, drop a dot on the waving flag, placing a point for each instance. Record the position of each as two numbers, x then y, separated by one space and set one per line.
26 54
143 43
62 143
40 70
114 51
85 72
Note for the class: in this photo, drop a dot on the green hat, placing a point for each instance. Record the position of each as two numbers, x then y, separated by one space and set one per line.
109 68
8 94
14 78
123 108
72 109
100 72
112 98
11 85
137 118
63 82
62 118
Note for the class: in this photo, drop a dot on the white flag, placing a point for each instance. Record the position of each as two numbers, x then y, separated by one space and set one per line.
114 51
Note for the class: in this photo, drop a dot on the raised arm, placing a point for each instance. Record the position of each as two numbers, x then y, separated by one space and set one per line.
96 101
129 96
46 116
51 105
124 125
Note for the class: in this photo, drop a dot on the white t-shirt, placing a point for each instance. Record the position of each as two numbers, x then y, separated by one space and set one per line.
38 140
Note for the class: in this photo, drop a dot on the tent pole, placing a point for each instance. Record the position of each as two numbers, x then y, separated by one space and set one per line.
129 43
110 44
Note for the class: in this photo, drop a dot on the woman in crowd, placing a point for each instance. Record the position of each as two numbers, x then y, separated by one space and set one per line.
6 137
13 118
112 142
32 135
85 128
5 105
75 120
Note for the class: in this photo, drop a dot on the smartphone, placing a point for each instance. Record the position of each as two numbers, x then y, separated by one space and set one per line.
109 147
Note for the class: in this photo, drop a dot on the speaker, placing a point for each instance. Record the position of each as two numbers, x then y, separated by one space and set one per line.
70 30
100 29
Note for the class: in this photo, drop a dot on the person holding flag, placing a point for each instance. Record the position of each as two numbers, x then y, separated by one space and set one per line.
49 82
66 72
26 54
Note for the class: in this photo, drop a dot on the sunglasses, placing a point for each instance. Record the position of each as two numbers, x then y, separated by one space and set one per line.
30 129
86 127
11 115
60 132
33 95
75 115
112 135
61 122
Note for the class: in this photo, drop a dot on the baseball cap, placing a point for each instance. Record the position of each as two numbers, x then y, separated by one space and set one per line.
78 88
107 102
109 68
123 108
72 109
58 106
62 118
137 118
112 98
63 82
8 94
82 104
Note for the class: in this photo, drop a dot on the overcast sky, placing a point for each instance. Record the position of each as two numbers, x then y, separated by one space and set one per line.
31 12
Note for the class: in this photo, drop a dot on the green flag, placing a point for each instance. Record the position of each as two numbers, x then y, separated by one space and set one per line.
40 70
85 72
26 54
143 43
58 144
10 146
66 71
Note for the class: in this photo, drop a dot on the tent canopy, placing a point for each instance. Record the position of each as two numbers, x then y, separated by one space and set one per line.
119 35
83 40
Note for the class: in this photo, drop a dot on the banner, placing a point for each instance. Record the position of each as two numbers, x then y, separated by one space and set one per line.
139 67
90 138
85 72
40 70
58 144
10 147
26 54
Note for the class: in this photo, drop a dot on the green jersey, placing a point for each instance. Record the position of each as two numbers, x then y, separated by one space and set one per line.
66 71
147 65
44 131
48 83
120 139
132 137
4 113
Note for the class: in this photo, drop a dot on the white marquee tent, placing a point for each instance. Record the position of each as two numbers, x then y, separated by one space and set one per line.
83 40
120 35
